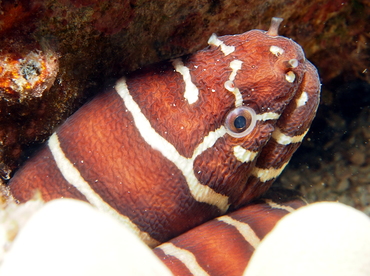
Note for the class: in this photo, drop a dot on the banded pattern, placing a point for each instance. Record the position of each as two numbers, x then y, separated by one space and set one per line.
288 134
73 177
200 193
171 147
230 239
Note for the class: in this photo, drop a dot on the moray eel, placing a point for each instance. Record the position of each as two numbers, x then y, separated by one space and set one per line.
177 144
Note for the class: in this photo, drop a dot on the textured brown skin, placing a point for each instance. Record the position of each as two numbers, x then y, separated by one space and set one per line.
293 121
50 176
135 179
219 248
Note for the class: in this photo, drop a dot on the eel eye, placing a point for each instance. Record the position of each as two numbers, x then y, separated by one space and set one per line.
240 121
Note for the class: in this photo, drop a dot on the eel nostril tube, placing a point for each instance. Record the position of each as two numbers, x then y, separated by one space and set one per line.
274 27
292 63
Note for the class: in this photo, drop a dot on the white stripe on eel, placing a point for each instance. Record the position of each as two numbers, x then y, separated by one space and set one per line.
267 174
267 116
276 50
275 205
186 257
226 49
290 76
284 139
73 177
235 65
302 99
244 229
200 193
191 91
244 155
